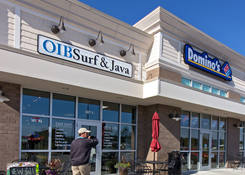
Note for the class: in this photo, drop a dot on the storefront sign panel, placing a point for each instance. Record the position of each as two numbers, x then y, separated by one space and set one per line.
204 62
68 52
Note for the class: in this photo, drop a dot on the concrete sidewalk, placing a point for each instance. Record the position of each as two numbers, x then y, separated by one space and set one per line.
222 171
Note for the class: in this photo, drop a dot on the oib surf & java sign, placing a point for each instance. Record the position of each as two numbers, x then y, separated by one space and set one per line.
64 51
204 62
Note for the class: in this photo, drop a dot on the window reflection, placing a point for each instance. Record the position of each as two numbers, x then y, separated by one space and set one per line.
222 124
185 119
62 134
206 88
241 145
35 102
35 133
194 139
64 105
110 112
221 159
184 162
222 141
186 82
88 109
110 136
64 157
195 120
127 137
41 158
109 160
214 160
194 160
128 114
205 121
127 156
215 91
215 122
184 139
214 140
196 85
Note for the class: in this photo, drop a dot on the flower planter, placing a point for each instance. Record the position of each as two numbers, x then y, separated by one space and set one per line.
123 171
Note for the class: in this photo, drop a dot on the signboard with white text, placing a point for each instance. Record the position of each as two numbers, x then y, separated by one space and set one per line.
68 52
204 62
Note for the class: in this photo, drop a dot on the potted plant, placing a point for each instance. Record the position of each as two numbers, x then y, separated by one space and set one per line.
123 167
54 167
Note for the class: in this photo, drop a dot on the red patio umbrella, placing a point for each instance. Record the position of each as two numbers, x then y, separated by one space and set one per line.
155 145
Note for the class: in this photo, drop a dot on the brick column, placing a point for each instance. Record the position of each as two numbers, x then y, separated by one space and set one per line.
233 139
169 134
9 124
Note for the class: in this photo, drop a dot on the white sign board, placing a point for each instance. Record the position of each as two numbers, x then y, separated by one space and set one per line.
64 51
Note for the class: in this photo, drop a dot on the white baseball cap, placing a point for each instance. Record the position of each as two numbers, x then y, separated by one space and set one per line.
83 130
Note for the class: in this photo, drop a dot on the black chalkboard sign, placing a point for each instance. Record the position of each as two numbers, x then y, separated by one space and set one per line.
23 170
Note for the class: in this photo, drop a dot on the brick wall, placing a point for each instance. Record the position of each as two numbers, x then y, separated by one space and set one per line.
169 134
233 135
9 124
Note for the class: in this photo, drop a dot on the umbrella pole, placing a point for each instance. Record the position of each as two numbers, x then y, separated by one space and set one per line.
154 163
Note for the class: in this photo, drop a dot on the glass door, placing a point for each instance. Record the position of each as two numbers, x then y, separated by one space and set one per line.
205 150
95 156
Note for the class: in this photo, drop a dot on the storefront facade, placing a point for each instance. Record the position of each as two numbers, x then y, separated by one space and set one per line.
100 73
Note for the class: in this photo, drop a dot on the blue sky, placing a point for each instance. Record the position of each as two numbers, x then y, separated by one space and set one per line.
223 20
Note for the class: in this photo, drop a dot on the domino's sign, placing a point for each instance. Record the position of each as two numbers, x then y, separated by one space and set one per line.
68 52
204 62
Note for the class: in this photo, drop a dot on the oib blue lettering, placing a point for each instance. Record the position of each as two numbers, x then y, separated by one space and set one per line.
58 49
51 49
67 51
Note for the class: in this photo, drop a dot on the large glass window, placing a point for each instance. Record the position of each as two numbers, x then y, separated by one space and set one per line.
110 134
41 157
184 139
205 121
215 140
194 139
128 114
214 160
35 133
185 119
64 106
35 102
194 160
62 134
109 160
222 124
242 137
127 137
195 125
195 120
88 109
110 112
215 121
52 132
